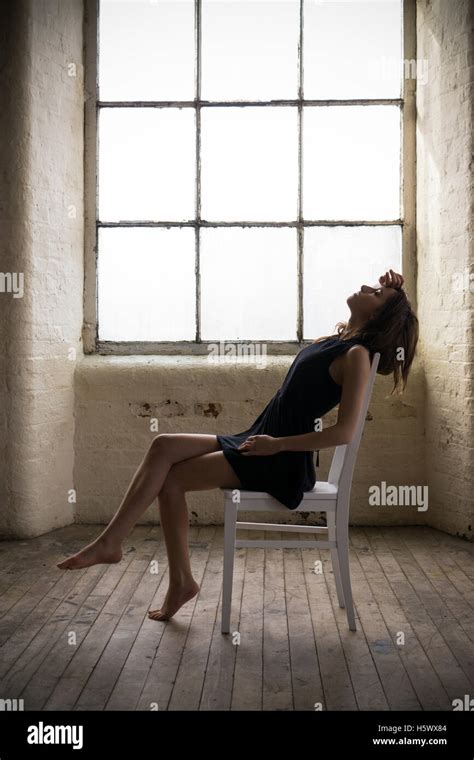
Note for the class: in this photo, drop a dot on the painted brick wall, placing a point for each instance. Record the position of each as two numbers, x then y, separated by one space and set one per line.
42 210
446 257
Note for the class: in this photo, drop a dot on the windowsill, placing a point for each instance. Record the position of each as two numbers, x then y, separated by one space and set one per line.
189 380
181 360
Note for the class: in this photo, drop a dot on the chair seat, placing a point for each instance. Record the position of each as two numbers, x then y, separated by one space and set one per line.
322 491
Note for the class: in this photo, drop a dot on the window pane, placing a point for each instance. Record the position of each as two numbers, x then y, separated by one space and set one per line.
352 49
248 284
146 164
146 50
146 284
352 162
337 261
249 164
250 49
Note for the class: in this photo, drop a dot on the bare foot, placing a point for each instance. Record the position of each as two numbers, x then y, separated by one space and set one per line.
96 553
175 598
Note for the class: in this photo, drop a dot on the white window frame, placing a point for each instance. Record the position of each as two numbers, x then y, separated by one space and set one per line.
407 104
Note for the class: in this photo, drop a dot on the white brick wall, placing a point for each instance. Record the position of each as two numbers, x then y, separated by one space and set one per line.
42 121
445 247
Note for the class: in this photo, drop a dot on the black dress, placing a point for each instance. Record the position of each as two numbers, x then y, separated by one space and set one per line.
308 392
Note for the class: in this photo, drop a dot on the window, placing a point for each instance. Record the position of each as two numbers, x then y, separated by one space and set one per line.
249 164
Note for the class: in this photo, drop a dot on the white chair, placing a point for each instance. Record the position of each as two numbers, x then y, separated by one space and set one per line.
331 496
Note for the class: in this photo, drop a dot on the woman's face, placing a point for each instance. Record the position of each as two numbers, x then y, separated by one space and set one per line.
367 300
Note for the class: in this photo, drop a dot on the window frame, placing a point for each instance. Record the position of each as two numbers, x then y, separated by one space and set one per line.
407 220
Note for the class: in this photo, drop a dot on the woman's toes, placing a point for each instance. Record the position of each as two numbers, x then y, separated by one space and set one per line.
174 600
156 614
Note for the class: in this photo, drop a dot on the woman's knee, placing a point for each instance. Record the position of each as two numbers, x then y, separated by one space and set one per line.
160 444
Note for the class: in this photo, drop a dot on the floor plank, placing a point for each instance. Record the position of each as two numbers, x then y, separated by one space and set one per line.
451 631
277 691
107 602
248 673
107 671
49 652
159 684
358 649
425 684
219 676
337 690
412 617
289 647
189 682
459 602
305 676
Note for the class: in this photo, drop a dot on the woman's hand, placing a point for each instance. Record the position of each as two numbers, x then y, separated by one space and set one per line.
260 445
392 280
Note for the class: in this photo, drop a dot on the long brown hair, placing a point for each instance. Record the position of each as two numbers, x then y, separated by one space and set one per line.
393 331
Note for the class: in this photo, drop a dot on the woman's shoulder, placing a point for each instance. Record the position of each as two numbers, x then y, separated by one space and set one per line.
353 345
357 355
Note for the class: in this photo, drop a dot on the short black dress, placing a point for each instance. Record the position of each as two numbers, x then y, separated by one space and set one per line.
308 392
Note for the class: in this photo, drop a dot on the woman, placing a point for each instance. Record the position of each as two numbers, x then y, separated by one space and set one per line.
275 454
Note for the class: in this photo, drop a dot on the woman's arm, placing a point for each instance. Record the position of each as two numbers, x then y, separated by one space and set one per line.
355 374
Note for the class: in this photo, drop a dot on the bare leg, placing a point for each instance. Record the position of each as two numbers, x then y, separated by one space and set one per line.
165 450
199 473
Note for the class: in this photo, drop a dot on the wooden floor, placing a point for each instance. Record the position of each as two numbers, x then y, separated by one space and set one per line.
81 640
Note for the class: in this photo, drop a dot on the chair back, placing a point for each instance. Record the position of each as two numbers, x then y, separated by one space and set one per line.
343 461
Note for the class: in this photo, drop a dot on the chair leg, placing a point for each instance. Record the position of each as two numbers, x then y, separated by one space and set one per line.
230 519
331 524
343 556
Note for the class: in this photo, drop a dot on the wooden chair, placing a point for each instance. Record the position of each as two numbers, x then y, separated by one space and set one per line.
331 496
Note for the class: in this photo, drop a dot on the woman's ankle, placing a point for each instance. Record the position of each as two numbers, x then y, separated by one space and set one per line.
181 581
109 541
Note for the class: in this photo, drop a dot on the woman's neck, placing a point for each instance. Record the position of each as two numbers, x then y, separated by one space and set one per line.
352 324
